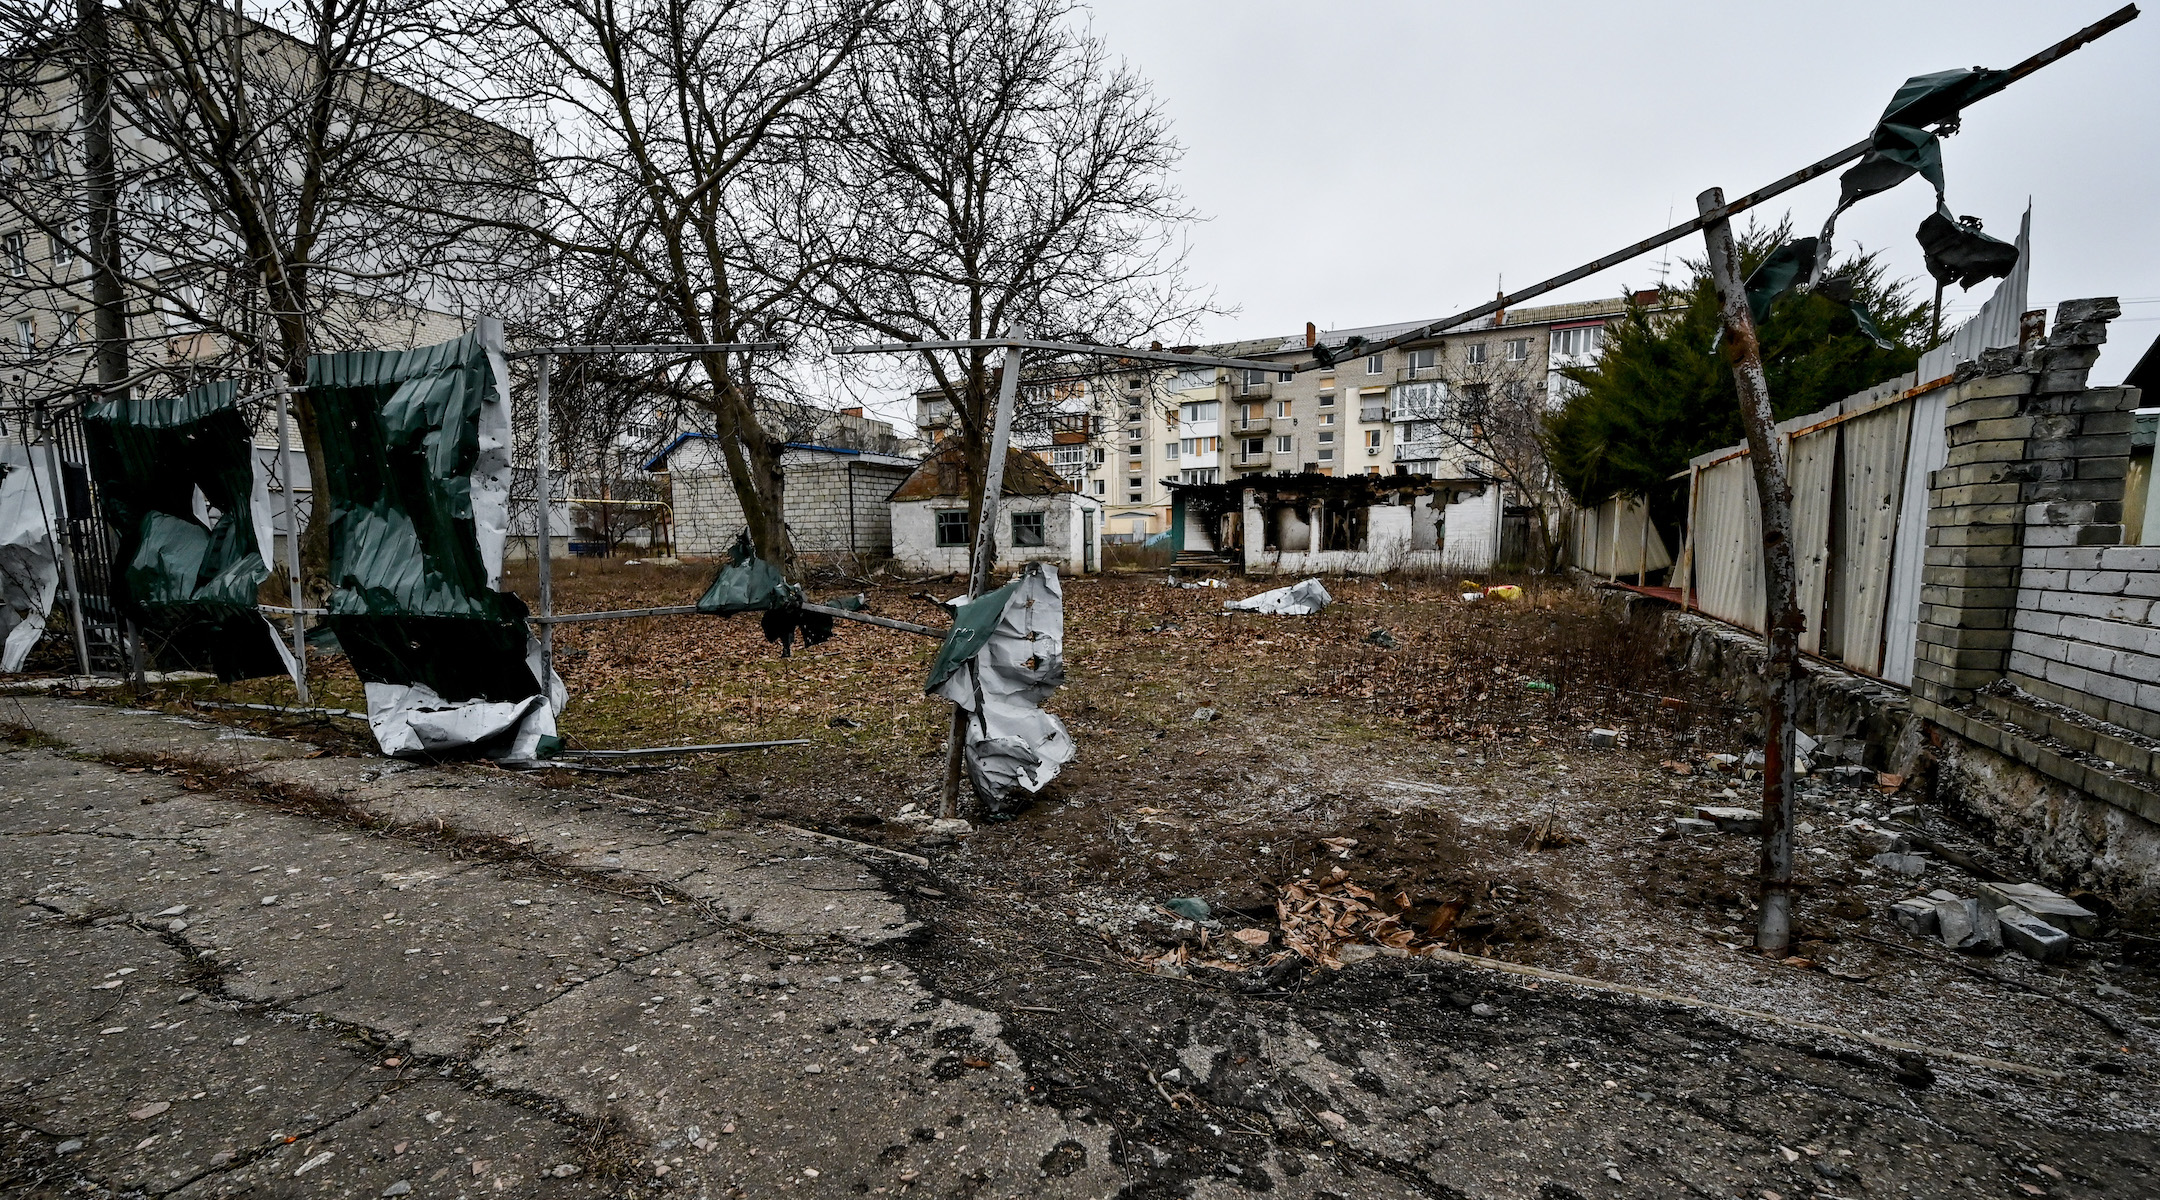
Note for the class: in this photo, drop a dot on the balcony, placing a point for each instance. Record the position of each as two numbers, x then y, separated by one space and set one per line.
1377 412
1254 391
1255 426
1416 374
1242 461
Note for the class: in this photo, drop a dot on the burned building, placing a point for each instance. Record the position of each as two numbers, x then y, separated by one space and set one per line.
1338 524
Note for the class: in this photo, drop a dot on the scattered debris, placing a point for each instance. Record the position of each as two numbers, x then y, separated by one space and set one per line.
2031 936
1383 639
1731 819
1298 600
1206 714
1604 739
1192 908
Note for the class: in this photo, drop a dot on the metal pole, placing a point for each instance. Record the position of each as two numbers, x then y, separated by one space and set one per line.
546 500
292 554
1642 552
985 551
1782 619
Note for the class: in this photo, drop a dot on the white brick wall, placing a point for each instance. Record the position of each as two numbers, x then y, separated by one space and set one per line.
2084 625
833 505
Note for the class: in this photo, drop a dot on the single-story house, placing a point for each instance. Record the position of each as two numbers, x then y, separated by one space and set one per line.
1308 523
1040 517
834 498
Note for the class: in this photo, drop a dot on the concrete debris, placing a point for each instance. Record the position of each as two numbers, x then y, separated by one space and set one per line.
1916 916
1912 866
1382 638
2031 936
1206 714
1192 908
1604 739
1694 827
1300 599
1731 819
1969 926
2050 906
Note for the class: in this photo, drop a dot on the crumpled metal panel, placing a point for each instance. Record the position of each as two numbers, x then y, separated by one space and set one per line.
415 446
1005 656
176 479
29 574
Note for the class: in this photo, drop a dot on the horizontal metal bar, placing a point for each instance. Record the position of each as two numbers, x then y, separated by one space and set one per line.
2090 33
1162 356
619 614
305 612
656 348
715 748
688 610
285 708
870 619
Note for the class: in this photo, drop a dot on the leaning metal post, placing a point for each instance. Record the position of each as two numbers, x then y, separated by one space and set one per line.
543 491
292 554
985 550
1773 491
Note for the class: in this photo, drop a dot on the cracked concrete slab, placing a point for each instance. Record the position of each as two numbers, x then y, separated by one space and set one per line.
827 1071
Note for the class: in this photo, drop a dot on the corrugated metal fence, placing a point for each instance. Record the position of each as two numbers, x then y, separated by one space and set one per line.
1859 479
1616 538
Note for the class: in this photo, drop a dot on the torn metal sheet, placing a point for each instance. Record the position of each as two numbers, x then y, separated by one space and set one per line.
416 445
29 573
177 479
747 583
1300 599
1003 658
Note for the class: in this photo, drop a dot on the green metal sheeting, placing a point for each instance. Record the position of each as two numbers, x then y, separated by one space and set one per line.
189 586
973 624
411 600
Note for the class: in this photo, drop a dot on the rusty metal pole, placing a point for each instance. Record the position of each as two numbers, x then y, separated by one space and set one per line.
1001 418
1773 490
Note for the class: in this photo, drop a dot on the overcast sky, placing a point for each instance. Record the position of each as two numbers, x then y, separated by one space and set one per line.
1361 163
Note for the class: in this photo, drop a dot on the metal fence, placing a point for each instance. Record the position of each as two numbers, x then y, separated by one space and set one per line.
1859 477
1616 538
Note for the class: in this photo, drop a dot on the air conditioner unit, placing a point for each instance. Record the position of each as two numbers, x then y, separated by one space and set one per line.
1372 449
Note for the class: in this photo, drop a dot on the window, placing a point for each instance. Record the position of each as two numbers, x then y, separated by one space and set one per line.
1132 497
1326 437
1170 451
1201 410
1285 377
1327 418
1027 529
1372 440
1100 455
1327 454
1518 350
1373 363
1255 446
1476 396
1253 381
1282 408
1068 460
1423 360
26 334
76 330
14 251
1102 487
1372 470
1581 340
1327 400
43 152
1282 445
1474 353
952 527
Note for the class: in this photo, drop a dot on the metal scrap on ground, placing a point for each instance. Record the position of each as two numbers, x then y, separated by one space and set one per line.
1300 599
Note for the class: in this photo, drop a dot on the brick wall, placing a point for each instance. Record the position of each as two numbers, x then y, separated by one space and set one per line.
833 506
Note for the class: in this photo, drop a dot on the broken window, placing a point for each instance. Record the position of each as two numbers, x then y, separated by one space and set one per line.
952 527
1027 529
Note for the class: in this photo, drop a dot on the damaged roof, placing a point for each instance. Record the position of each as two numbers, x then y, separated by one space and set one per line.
944 474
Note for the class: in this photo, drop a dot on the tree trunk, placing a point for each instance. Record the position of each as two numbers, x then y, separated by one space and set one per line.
1773 491
101 192
754 466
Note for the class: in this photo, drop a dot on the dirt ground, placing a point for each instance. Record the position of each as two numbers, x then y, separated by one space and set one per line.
1401 772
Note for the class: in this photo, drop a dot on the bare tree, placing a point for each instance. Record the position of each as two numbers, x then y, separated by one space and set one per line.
673 137
233 189
1493 418
1008 178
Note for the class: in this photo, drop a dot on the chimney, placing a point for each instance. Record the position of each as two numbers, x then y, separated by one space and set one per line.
851 412
1312 335
1648 299
1499 317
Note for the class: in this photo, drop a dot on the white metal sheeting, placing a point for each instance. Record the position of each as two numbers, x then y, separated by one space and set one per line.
1728 544
1927 448
1871 483
1617 538
29 573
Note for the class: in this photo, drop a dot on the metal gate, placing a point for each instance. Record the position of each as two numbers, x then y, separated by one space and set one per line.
86 540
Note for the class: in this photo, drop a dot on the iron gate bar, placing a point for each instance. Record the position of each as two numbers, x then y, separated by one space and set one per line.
714 748
2093 32
656 348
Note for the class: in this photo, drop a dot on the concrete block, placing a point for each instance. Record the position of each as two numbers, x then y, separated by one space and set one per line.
1968 926
1731 819
2017 383
1694 827
1912 866
2045 903
1915 916
2031 936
